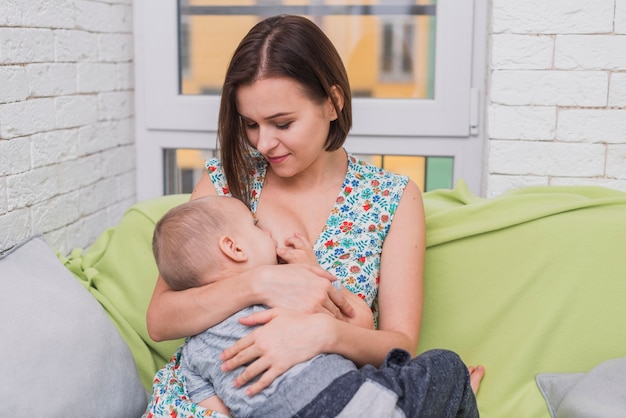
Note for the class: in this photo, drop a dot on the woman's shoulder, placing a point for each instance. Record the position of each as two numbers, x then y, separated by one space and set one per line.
216 174
368 173
215 164
215 171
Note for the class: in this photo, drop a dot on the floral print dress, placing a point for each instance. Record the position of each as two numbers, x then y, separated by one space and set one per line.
349 247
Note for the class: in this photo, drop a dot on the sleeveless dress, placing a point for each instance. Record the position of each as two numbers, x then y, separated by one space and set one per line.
349 247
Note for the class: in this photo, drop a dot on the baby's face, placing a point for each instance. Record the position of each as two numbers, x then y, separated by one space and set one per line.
258 244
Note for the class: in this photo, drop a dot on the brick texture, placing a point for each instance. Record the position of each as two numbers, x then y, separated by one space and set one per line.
556 107
67 153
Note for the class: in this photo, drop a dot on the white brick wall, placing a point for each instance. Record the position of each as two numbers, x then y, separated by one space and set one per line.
67 154
556 107
557 100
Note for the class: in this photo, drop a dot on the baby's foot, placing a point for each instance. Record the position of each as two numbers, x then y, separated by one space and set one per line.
476 375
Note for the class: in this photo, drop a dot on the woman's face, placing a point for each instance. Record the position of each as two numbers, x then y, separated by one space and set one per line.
283 124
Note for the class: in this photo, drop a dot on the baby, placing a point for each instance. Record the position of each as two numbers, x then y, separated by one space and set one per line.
215 237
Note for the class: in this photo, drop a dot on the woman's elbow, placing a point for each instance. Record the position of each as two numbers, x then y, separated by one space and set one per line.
154 327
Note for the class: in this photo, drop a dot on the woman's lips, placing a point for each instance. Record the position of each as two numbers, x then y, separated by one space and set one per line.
277 160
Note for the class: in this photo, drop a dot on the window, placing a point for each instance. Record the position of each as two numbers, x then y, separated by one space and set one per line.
409 62
396 55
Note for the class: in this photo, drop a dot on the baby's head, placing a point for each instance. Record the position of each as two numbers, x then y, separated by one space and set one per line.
195 241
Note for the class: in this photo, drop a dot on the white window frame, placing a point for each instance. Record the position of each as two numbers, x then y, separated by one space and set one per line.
445 126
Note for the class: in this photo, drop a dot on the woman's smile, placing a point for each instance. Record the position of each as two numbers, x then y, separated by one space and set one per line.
277 160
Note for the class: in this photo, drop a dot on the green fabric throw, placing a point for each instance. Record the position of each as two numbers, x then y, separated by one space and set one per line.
533 281
530 282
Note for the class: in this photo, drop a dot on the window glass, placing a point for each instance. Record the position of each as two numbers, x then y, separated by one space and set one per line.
387 46
184 167
416 103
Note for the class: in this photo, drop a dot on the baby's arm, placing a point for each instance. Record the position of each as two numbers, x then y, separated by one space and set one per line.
214 403
298 250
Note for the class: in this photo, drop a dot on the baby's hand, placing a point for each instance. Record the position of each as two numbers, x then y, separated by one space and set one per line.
297 250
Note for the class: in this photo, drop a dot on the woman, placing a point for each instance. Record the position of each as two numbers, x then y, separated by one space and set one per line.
284 116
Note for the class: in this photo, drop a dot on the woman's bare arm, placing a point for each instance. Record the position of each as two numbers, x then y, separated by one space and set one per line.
177 314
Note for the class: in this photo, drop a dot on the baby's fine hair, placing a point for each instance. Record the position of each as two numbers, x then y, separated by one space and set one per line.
185 241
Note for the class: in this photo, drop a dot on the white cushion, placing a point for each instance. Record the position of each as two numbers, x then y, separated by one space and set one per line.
61 354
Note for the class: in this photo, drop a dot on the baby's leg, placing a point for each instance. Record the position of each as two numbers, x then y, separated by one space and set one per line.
214 403
435 384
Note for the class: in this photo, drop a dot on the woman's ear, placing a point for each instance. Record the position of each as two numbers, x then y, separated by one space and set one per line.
337 97
230 249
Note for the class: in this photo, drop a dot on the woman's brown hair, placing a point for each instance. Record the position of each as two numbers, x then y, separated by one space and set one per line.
279 46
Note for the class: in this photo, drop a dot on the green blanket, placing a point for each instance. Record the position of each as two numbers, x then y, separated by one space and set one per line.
530 282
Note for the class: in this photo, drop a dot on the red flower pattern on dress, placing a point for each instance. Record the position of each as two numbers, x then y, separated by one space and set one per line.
346 226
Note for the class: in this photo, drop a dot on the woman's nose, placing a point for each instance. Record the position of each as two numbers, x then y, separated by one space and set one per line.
267 141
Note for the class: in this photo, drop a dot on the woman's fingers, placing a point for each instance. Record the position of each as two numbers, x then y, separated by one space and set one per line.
284 339
259 318
340 305
233 355
323 273
264 381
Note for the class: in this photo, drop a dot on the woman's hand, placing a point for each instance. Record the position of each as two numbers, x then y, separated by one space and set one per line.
285 339
302 288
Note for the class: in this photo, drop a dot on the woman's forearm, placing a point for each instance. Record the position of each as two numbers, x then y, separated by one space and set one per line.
347 340
177 314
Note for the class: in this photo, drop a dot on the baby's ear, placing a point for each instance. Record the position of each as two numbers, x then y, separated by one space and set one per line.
230 249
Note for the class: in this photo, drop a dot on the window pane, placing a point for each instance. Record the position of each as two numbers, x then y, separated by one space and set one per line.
184 167
439 171
387 45
429 173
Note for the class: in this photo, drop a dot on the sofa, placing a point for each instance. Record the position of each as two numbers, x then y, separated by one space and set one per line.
531 284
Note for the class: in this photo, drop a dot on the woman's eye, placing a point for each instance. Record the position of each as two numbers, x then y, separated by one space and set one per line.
283 126
251 125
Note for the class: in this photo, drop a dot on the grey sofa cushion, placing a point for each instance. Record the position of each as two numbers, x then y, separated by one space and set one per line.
61 354
596 394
